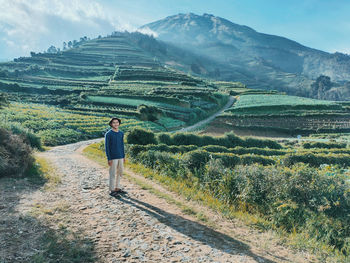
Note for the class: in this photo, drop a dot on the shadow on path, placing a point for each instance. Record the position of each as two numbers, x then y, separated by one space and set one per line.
196 231
25 237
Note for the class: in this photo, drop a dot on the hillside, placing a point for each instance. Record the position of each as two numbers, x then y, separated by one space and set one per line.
256 59
120 74
68 96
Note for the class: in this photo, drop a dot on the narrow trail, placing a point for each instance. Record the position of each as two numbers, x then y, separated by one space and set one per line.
141 227
209 119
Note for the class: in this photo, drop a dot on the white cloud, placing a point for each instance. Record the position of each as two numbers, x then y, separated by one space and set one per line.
345 50
34 25
147 31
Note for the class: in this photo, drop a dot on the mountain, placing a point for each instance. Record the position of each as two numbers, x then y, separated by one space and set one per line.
260 60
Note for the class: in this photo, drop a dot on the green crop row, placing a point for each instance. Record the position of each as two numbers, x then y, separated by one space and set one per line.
143 137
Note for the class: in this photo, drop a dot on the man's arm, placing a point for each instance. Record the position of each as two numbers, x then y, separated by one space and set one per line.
123 147
107 147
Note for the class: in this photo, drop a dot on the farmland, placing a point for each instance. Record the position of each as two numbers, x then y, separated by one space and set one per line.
57 126
285 114
115 75
125 74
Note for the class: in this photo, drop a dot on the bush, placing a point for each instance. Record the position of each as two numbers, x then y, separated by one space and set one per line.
250 159
327 145
242 150
60 136
216 149
232 140
26 134
300 198
186 139
164 138
316 160
15 154
228 160
209 140
140 136
195 160
228 140
252 142
135 149
149 113
162 161
213 176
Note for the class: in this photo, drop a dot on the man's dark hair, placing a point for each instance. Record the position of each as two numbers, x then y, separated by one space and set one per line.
114 118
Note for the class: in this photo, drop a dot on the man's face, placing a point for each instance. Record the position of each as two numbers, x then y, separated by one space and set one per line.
115 124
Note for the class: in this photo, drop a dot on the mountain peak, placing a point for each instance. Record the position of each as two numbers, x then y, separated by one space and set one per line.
191 27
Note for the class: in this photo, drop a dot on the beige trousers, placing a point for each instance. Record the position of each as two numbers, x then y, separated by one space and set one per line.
116 169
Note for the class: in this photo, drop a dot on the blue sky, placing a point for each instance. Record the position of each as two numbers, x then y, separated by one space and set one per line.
34 25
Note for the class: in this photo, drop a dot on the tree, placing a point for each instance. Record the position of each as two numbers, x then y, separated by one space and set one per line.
64 45
52 50
70 44
320 87
149 113
3 100
195 68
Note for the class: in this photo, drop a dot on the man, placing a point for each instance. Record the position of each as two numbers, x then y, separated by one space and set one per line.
114 146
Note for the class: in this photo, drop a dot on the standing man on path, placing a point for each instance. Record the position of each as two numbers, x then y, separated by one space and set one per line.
114 146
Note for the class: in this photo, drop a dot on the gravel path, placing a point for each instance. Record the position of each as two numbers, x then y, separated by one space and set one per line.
139 226
209 119
130 228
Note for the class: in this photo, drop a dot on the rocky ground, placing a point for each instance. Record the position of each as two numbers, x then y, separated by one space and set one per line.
137 227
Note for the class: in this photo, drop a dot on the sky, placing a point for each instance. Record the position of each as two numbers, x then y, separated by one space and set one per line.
35 25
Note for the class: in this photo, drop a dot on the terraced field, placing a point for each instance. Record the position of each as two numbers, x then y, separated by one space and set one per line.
286 114
115 75
124 74
60 126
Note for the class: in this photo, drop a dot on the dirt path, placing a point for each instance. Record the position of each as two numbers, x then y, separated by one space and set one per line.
209 119
138 227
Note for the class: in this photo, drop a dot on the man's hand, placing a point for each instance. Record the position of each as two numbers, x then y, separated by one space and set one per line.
124 160
110 162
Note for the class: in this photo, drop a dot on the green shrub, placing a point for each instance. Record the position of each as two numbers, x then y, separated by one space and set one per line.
60 136
229 140
195 160
164 138
135 149
183 148
327 145
162 161
186 139
15 154
228 160
299 198
208 140
250 159
259 143
140 136
213 176
215 148
316 160
243 150
26 134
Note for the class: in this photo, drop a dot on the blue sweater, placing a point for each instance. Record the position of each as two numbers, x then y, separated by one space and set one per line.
114 145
